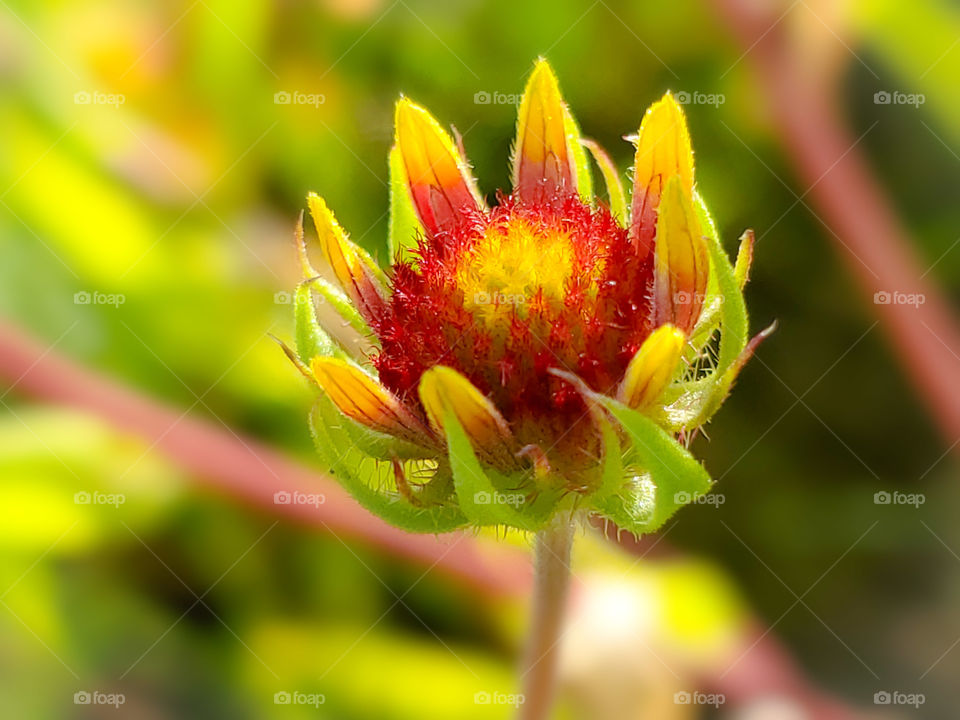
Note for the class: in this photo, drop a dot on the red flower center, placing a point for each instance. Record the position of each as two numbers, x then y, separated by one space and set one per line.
506 295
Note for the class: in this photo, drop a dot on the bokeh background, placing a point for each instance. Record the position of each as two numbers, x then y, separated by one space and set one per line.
150 176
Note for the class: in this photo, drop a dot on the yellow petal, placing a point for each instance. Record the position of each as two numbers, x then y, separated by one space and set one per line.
440 184
652 368
363 399
443 389
663 150
351 267
741 270
681 264
544 164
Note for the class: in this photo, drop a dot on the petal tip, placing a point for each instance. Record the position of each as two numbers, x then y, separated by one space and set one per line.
436 175
544 160
652 368
364 400
443 390
663 150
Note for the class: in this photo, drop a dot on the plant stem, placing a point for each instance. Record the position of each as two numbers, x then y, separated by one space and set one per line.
551 582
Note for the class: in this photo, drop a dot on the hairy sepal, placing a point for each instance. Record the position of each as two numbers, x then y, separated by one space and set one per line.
364 476
667 476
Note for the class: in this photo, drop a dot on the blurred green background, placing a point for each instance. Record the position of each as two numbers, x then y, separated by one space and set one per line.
145 155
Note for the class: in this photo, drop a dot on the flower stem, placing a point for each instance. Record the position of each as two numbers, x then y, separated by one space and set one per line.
551 582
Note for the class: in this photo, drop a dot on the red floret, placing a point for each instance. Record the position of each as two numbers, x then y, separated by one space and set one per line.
601 322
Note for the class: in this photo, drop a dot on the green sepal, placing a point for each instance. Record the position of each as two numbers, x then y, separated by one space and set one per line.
312 340
733 308
669 476
611 178
612 496
692 403
341 305
580 161
357 471
480 499
405 226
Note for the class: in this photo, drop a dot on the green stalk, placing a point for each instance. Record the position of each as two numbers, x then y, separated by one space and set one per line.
551 584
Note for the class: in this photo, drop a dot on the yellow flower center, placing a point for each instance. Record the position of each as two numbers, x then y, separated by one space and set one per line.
506 269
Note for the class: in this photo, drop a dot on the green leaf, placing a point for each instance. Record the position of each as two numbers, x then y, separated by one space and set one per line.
671 477
357 472
404 224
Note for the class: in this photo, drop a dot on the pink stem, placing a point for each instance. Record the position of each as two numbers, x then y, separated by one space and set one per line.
249 471
877 249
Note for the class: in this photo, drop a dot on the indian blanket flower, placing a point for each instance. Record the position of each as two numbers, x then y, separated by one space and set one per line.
551 353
